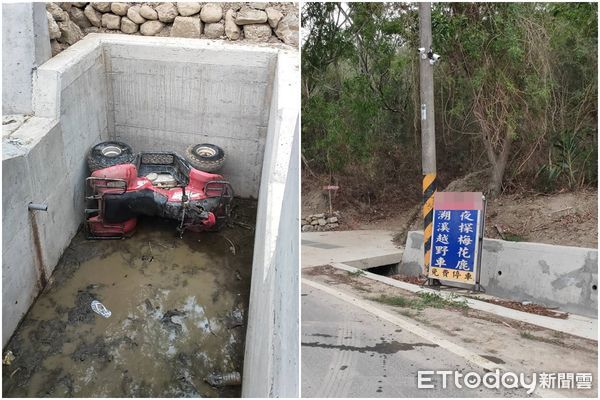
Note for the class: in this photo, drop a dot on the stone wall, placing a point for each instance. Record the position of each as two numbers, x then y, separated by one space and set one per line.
321 222
253 22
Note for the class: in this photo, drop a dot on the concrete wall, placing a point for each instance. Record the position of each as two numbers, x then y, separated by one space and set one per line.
25 46
44 163
169 93
556 276
272 343
85 95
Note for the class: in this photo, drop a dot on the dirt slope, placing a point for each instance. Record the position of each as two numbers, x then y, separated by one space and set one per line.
569 219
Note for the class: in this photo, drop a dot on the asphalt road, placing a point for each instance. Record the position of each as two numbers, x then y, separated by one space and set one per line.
349 352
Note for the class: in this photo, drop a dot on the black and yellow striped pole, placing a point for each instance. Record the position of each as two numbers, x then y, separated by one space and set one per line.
428 192
427 130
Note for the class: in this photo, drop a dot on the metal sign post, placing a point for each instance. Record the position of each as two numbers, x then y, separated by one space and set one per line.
329 188
481 232
458 228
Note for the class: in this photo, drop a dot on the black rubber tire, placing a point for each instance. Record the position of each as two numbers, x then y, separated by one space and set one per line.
205 162
98 160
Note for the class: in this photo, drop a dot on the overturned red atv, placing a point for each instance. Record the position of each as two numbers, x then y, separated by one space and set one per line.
123 186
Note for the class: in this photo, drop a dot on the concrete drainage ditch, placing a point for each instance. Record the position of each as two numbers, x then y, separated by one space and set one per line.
153 93
177 317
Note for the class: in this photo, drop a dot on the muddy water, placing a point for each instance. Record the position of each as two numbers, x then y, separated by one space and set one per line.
178 314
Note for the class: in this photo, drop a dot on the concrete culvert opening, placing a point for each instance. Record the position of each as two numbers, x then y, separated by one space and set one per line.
182 311
384 270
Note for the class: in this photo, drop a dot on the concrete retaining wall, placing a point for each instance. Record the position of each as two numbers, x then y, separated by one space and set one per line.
25 46
44 163
169 93
271 361
556 276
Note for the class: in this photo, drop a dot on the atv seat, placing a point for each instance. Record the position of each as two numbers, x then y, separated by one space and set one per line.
122 207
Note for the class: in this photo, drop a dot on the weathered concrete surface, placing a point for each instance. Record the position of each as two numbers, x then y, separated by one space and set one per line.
19 264
361 249
349 352
44 163
272 348
348 339
576 325
25 46
168 93
555 276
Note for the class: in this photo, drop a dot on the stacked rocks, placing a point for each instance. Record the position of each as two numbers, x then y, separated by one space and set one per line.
256 22
63 25
321 222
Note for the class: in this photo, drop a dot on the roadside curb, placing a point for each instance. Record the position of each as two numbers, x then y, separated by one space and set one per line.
575 325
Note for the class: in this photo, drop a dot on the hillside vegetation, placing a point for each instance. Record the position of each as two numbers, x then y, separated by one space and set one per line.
515 96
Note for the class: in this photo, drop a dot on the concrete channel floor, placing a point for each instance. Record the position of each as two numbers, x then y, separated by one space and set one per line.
361 249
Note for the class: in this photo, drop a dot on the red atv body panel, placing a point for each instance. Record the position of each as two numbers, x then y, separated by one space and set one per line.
122 195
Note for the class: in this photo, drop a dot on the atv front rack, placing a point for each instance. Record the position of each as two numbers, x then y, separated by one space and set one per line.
92 193
112 186
223 187
225 194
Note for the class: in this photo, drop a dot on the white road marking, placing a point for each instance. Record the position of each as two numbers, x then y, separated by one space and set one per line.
423 333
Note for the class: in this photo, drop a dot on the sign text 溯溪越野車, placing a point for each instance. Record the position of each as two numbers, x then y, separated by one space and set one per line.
457 219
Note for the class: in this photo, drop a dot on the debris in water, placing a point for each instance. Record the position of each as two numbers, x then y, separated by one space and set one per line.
210 327
149 306
14 372
9 357
173 313
231 245
243 225
219 379
234 319
57 340
168 321
99 309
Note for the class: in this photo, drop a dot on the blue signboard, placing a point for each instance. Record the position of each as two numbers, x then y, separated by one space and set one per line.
454 245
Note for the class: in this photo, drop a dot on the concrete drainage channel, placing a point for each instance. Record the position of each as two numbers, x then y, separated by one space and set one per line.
555 276
182 306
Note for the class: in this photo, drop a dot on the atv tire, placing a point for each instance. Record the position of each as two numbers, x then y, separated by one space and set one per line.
107 154
205 157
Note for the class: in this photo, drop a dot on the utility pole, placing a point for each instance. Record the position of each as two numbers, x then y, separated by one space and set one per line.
427 129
